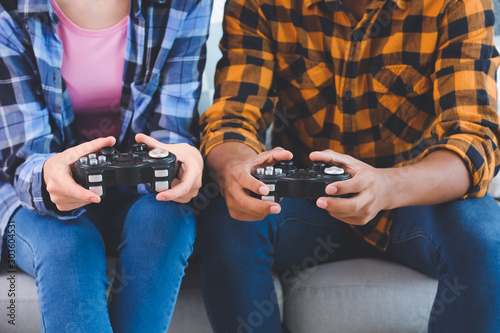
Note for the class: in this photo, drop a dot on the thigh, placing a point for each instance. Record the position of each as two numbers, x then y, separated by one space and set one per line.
302 235
41 239
439 237
157 240
152 225
307 236
458 242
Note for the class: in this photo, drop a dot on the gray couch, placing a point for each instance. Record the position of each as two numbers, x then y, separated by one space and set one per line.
327 298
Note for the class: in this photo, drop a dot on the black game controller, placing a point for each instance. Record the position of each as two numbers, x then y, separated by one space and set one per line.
109 167
285 180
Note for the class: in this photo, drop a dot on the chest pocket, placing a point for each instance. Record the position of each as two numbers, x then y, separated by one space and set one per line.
404 102
307 91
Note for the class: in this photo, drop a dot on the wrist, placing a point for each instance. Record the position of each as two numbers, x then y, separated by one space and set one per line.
394 189
228 154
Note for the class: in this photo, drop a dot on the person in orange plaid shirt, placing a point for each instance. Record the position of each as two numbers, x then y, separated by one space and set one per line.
399 93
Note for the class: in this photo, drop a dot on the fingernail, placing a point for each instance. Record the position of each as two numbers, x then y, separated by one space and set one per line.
275 209
264 190
331 190
321 203
161 198
94 200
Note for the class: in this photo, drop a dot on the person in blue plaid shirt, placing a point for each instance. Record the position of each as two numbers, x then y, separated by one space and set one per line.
76 76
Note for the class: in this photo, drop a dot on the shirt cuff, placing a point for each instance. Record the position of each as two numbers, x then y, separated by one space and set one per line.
31 192
215 139
476 163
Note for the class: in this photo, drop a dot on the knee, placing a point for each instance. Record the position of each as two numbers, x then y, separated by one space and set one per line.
159 224
75 245
226 241
470 229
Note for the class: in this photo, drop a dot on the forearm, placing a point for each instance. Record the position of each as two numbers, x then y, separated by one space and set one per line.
441 176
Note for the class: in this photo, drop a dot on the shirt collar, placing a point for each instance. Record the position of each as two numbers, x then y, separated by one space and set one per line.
28 7
402 4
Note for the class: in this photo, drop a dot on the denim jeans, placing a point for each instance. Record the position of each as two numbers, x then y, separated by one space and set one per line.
153 241
458 242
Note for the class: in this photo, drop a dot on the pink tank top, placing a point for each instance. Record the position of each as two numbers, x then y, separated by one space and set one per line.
92 68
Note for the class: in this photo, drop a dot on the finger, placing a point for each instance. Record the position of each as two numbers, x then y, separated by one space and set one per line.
331 157
71 155
241 201
60 199
175 192
272 156
66 186
245 217
342 207
67 206
191 178
350 186
73 190
249 182
146 139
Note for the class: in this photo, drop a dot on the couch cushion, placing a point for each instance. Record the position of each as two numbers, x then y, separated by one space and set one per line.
361 295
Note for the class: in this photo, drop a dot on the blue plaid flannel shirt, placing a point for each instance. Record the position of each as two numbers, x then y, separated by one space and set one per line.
164 60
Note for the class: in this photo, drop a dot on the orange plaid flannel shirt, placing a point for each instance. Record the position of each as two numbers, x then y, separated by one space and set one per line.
410 77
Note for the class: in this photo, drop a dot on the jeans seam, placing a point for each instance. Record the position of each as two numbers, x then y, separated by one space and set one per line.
438 259
32 251
42 319
420 233
294 217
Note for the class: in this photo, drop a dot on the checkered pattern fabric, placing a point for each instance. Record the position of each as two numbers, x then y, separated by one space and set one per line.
165 55
407 79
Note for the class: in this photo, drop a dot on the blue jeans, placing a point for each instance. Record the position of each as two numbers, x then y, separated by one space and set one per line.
153 241
457 242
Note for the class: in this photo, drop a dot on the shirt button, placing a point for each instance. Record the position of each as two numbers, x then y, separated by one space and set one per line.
39 90
356 36
347 94
298 79
409 89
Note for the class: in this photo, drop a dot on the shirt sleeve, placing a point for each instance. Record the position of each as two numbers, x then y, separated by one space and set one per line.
243 105
465 91
26 136
180 79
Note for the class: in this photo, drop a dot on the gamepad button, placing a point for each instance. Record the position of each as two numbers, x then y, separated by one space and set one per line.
333 170
108 151
278 171
268 198
161 186
92 156
269 171
93 161
271 187
161 173
101 159
260 171
138 147
318 166
84 160
97 190
158 153
95 178
286 165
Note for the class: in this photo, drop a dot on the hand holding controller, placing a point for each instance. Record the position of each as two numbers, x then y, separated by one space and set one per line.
109 167
285 180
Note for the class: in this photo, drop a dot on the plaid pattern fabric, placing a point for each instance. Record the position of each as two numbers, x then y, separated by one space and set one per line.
409 78
165 56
